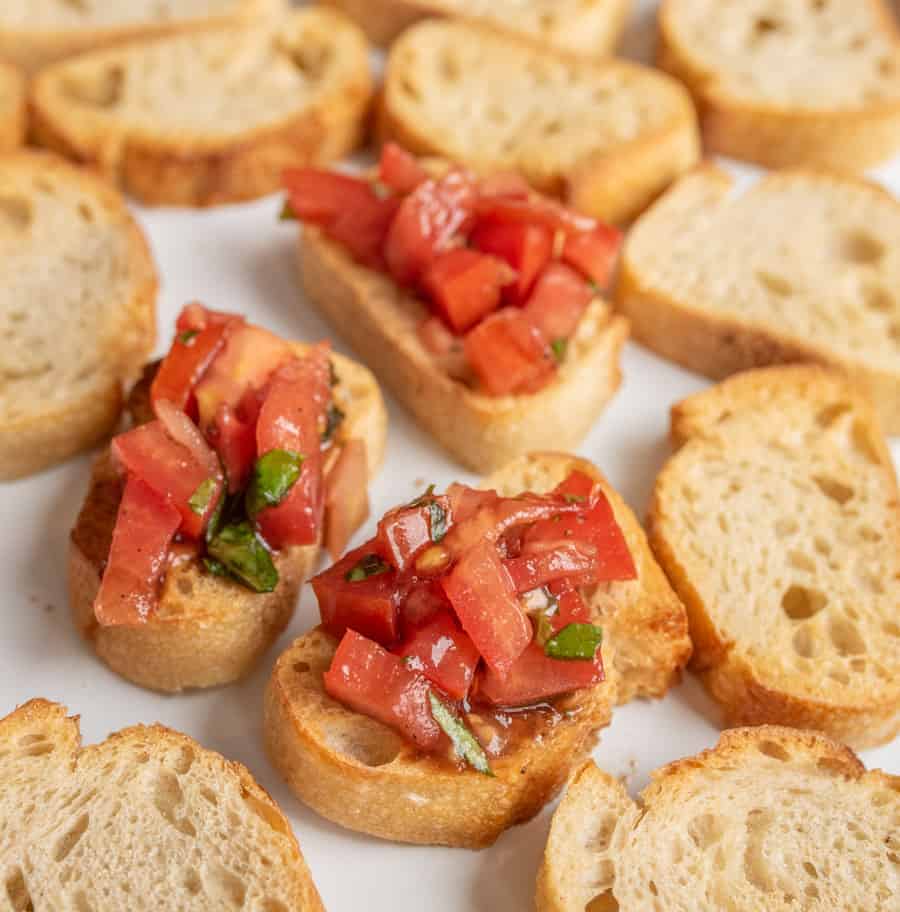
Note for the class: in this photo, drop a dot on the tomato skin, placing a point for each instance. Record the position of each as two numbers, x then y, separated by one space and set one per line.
572 607
145 525
464 286
533 210
421 601
346 496
404 531
526 248
194 317
232 434
399 170
443 653
375 682
317 195
594 253
558 302
538 566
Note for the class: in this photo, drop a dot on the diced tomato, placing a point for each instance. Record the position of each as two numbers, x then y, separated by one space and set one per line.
403 532
363 229
535 210
194 317
346 496
182 430
233 435
566 560
420 601
464 286
593 253
428 222
465 502
536 677
400 170
376 683
558 302
318 196
145 525
485 601
526 248
291 418
507 352
573 609
443 653
367 605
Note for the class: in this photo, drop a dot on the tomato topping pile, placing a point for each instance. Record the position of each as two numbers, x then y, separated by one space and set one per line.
233 467
507 272
471 598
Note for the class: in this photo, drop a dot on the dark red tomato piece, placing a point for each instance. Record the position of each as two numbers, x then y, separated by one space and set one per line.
541 563
319 196
368 605
507 352
195 317
535 210
363 229
443 653
572 607
526 248
346 496
593 253
465 502
536 677
430 220
558 302
464 286
399 170
485 601
232 434
145 525
375 682
403 532
421 601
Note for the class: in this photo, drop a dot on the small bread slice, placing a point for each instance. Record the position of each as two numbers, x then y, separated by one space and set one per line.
77 310
362 775
777 522
12 108
590 27
771 818
794 83
607 136
207 630
802 266
146 820
212 116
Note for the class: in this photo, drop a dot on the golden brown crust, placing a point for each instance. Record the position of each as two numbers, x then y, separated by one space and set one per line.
12 108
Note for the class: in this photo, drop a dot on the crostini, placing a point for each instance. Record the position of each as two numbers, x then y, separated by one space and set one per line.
457 678
247 453
476 301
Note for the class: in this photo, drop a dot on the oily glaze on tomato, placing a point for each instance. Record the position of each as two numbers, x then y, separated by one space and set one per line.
594 253
542 563
526 248
443 653
403 532
464 286
558 302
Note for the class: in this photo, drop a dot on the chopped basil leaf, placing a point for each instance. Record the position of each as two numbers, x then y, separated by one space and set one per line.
574 641
370 565
423 499
465 744
187 337
437 515
333 418
287 213
215 521
574 498
242 553
558 347
273 476
216 568
200 499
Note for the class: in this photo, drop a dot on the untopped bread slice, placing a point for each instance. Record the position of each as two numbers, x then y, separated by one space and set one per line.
802 266
77 310
590 27
771 818
212 116
606 135
147 820
798 82
777 522
359 773
12 108
34 33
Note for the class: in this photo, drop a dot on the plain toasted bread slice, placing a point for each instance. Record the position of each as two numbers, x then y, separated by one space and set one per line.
359 773
212 116
207 630
802 266
147 820
793 83
771 818
590 27
777 522
77 310
607 136
35 33
12 108
379 319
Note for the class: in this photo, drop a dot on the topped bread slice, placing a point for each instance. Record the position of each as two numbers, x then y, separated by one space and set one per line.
12 107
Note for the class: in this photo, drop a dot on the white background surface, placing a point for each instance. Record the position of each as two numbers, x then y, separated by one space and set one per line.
241 258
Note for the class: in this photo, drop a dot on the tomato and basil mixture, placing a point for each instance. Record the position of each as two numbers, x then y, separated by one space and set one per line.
506 273
469 598
237 464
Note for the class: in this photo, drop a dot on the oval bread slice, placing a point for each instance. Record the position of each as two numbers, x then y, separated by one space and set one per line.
771 818
12 108
361 774
147 820
777 522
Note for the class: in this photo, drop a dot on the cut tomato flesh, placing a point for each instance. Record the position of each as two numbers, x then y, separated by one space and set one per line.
484 599
464 286
145 525
558 302
346 496
593 253
403 532
526 248
372 681
399 170
363 229
195 317
233 435
420 601
443 653
535 210
573 609
564 560
319 196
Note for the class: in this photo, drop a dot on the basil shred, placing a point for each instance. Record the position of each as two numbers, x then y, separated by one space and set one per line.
199 500
238 551
274 475
575 641
187 337
558 347
370 565
465 744
437 515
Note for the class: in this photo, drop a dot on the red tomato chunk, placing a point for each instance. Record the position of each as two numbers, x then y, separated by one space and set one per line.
403 532
464 286
558 302
593 253
526 248
399 170
443 653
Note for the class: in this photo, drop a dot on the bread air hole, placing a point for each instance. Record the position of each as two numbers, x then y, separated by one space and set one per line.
97 90
16 212
312 59
266 812
765 26
839 492
774 750
705 831
605 902
82 904
224 886
168 799
845 637
17 892
806 643
800 602
273 905
775 284
860 247
830 414
878 298
80 6
70 838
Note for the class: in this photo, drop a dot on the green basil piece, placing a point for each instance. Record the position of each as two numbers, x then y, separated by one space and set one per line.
274 475
370 565
558 347
575 641
333 418
242 553
287 213
199 501
465 744
188 336
423 499
437 521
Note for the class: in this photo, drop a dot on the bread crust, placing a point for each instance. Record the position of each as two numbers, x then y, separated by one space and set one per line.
12 108
360 774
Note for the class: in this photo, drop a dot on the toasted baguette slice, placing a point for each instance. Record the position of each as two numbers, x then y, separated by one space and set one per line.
35 33
12 108
77 310
590 27
771 818
212 116
799 82
207 630
607 136
777 522
147 820
802 266
362 775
